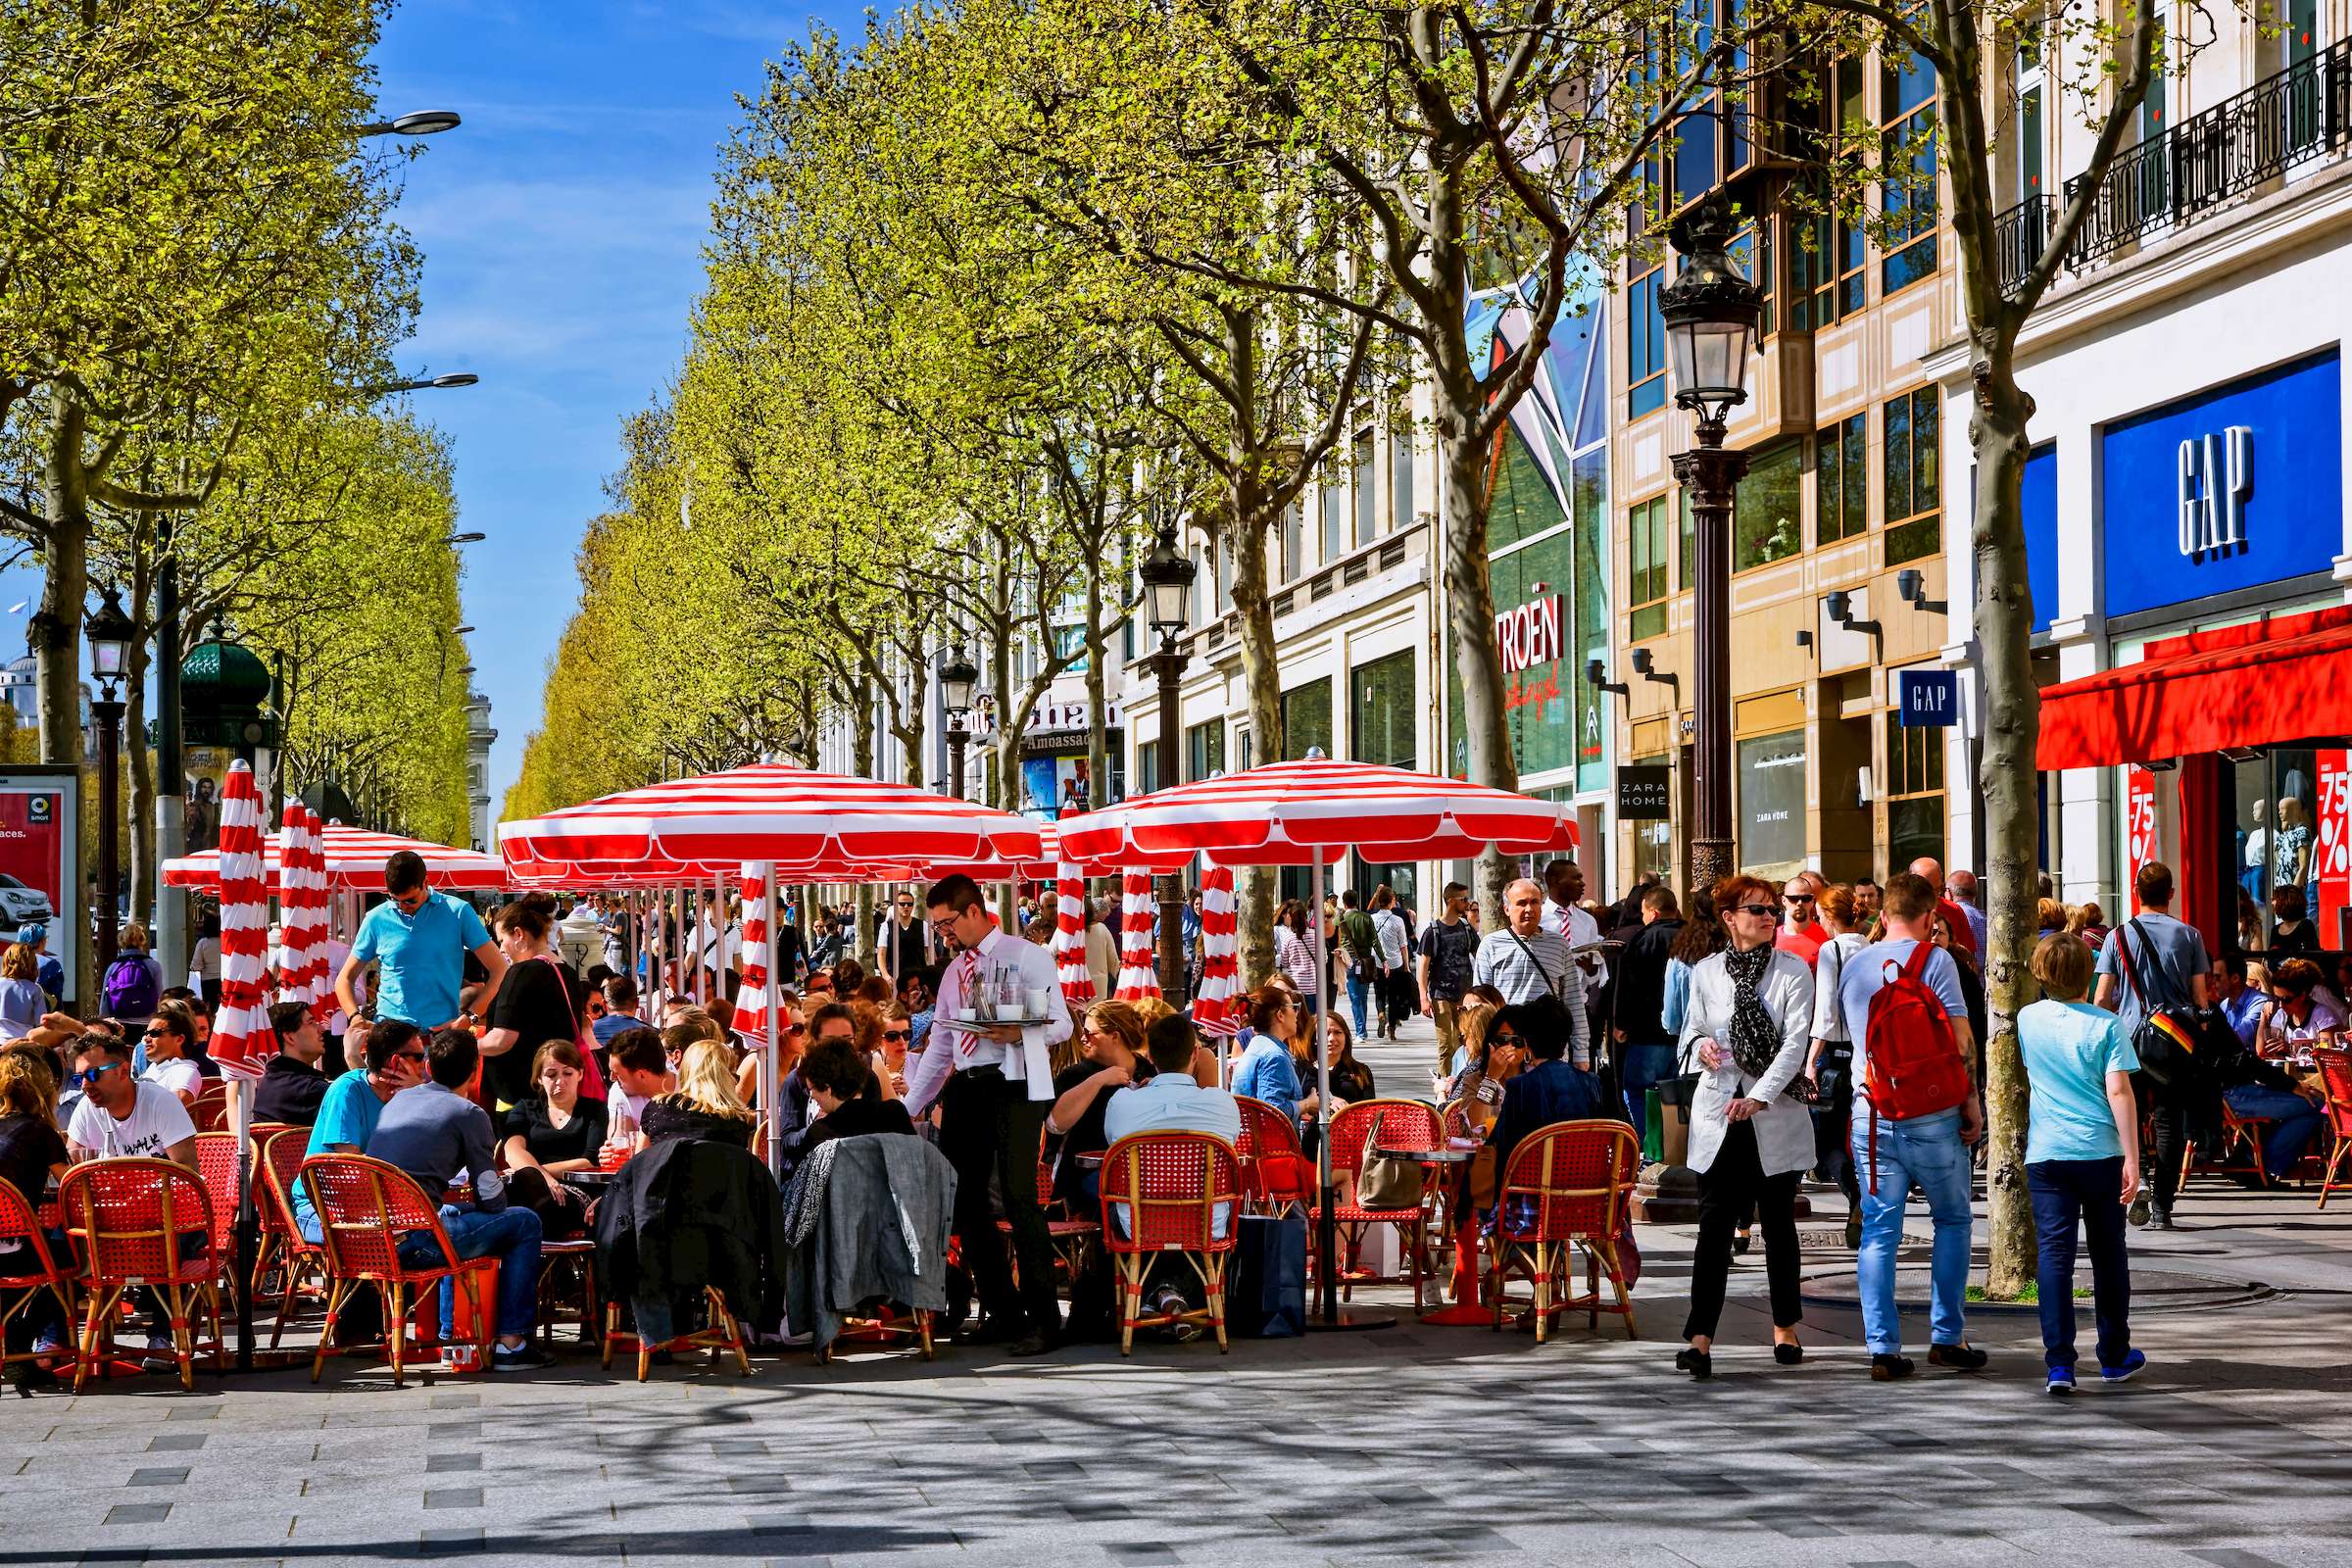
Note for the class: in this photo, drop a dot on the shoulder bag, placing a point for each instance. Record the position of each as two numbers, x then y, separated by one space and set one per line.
2169 1037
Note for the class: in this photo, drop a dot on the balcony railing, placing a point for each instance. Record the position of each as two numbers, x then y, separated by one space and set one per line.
2303 113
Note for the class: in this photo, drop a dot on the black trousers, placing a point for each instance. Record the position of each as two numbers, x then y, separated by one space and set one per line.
988 1129
2175 1112
1727 1190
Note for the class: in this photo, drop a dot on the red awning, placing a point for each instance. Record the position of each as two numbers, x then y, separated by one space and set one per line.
2287 678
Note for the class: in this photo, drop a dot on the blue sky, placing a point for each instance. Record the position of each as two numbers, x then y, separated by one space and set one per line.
562 226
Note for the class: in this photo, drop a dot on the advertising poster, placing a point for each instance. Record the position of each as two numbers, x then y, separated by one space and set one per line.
2139 824
38 860
2334 870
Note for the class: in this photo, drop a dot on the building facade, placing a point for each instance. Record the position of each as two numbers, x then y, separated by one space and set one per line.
479 738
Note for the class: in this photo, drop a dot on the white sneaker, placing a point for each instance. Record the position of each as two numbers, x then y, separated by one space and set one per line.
163 1355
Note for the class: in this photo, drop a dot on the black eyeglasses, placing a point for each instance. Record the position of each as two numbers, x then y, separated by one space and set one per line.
1799 897
153 1033
408 1055
898 1033
1771 911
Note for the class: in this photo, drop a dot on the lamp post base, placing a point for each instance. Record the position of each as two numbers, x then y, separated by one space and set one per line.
1711 860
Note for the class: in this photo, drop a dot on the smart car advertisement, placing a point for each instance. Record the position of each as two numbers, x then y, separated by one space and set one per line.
38 857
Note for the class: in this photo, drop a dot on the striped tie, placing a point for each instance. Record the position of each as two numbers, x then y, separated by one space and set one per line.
967 1041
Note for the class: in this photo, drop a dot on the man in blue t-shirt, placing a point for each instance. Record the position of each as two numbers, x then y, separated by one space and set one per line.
2163 965
1890 1155
417 942
354 1103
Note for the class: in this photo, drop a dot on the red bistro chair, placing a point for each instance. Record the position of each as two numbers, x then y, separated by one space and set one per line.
1399 1124
1174 1187
216 1164
1569 1185
297 1261
31 1267
1275 1172
2335 1077
143 1222
1070 1232
366 1209
209 1110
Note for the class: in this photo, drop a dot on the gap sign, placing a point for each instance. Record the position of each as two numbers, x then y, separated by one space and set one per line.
1930 697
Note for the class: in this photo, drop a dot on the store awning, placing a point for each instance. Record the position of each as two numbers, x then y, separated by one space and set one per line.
2284 679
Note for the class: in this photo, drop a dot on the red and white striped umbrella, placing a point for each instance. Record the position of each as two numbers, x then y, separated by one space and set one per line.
241 1040
301 908
1215 1010
815 826
1069 937
352 859
1297 814
751 997
1138 978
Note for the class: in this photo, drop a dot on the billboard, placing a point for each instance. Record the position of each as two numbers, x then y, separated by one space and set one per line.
40 811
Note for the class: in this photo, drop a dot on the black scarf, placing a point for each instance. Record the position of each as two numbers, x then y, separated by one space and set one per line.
1754 1038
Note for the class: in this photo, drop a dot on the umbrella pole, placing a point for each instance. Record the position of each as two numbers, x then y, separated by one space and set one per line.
248 1239
771 1067
1327 1227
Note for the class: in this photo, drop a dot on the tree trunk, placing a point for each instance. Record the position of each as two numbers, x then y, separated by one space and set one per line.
1470 618
1261 680
2008 777
57 653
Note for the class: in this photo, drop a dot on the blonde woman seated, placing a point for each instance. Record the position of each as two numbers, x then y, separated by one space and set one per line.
704 1104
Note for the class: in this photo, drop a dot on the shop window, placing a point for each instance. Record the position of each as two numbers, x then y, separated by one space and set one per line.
1914 791
1382 712
1912 432
1841 480
1653 838
1204 750
1907 164
1645 346
1646 590
1768 516
1772 804
1306 721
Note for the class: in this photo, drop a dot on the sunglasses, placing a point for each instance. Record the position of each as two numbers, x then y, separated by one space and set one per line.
898 1033
408 1055
1507 1040
153 1033
90 1075
1800 897
793 1031
1768 911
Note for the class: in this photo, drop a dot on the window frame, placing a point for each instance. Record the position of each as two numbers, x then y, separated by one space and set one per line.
1908 123
1645 374
1842 449
1648 556
1913 531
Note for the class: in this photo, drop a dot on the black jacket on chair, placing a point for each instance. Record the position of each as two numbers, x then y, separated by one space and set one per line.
686 1213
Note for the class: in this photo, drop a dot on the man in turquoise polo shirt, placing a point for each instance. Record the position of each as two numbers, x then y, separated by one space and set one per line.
417 942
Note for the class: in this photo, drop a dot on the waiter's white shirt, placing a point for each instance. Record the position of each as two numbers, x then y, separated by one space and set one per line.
1578 927
953 1048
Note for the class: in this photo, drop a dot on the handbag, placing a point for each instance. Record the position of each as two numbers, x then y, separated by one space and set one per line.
1385 1181
1265 1293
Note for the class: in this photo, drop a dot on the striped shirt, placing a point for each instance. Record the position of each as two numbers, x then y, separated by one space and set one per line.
1524 968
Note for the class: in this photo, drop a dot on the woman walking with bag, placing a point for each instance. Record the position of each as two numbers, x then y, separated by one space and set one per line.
1746 1030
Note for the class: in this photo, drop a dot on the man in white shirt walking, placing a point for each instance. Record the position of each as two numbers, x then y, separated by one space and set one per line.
993 1084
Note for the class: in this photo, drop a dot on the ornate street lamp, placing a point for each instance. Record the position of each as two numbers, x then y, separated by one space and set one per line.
1710 312
112 633
1167 577
958 681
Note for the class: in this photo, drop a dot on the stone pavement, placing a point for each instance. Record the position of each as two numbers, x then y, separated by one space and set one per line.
1416 1443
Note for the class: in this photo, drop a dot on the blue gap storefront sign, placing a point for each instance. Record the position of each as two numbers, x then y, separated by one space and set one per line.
1928 698
2236 487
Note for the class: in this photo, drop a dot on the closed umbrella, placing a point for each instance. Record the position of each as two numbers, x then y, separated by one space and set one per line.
301 908
242 1043
1138 978
1069 937
1216 1006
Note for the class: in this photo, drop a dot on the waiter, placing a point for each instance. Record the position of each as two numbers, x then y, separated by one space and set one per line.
998 1083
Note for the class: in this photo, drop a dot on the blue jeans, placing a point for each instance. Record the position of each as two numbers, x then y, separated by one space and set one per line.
1641 1070
2088 1190
2296 1122
1925 1150
510 1234
1358 993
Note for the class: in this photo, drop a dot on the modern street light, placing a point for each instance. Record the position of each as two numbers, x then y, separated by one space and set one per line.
958 681
465 538
110 632
424 122
1710 312
1167 577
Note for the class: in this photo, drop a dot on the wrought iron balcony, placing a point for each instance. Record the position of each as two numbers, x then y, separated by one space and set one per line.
2302 113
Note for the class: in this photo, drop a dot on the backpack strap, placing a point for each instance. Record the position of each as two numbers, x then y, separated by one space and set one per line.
2156 959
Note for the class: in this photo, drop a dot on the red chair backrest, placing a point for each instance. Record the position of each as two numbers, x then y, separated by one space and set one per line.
1265 1130
210 1111
217 1164
282 1155
1402 1123
131 1215
366 1209
1572 1178
1172 1183
2335 1075
20 1221
1273 1165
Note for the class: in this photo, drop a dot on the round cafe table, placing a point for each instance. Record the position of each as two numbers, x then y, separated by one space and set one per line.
1452 1160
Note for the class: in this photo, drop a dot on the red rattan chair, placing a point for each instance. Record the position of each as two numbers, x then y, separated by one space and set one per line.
1173 1186
721 1333
210 1110
297 1261
1399 1124
1275 1172
30 1268
2335 1077
1569 1185
366 1209
216 1164
143 1222
1072 1233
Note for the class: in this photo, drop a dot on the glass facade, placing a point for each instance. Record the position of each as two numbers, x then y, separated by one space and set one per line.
1306 721
1768 522
1204 750
1772 804
1381 713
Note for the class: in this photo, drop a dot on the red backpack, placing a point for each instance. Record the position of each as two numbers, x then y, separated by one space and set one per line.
1915 1068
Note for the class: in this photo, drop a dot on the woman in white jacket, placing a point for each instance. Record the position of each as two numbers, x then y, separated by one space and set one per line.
1747 1030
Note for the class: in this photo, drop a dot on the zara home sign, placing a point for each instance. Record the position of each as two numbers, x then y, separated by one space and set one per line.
2217 474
